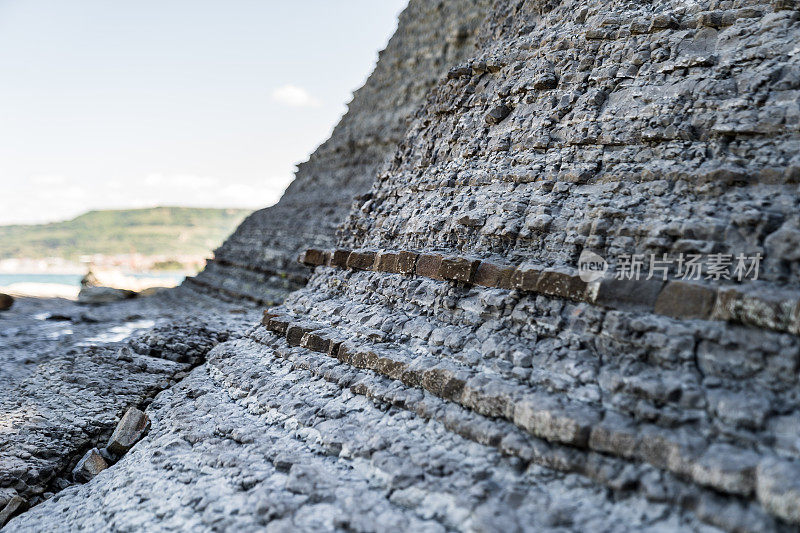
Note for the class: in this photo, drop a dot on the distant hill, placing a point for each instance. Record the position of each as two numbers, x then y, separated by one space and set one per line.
155 231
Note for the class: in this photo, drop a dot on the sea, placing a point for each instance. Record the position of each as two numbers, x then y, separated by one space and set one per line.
60 279
75 279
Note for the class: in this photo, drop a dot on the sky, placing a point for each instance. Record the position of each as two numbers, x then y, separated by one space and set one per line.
208 103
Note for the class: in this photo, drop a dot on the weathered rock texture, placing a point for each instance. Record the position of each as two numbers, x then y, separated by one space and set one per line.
617 127
259 261
67 379
445 368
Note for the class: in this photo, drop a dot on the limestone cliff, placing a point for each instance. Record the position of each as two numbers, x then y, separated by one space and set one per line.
619 128
622 128
448 366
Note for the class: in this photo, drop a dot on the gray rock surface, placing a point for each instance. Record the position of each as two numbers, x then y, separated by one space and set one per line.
302 450
613 127
445 368
69 374
103 295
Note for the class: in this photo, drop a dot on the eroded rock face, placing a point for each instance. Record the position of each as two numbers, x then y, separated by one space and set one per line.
446 368
616 128
259 261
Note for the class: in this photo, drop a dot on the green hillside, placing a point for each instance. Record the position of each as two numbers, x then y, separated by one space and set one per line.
155 231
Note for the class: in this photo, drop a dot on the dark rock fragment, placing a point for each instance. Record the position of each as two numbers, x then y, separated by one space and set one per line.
406 262
497 114
494 275
130 429
6 301
458 269
428 265
361 260
91 464
387 262
14 505
339 258
313 257
680 299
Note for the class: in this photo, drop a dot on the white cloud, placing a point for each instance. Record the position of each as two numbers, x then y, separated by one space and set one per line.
294 96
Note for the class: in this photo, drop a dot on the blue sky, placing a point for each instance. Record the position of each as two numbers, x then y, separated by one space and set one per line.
111 104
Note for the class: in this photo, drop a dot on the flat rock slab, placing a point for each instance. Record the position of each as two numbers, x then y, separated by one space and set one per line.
70 396
103 295
66 403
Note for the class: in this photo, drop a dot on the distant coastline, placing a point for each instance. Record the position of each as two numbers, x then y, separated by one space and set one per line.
133 249
49 285
153 235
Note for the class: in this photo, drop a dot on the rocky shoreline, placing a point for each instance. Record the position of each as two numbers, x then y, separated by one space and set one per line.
435 361
71 370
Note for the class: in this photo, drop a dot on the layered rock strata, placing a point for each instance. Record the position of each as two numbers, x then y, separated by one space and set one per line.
446 368
619 128
257 264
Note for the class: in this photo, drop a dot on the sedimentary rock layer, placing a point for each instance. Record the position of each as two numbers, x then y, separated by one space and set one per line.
269 437
618 128
259 261
445 369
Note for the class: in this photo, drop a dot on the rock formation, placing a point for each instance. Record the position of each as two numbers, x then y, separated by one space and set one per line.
448 366
258 263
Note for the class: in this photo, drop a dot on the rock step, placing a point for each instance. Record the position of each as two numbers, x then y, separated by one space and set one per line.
778 310
252 441
621 476
614 375
726 468
237 294
294 278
